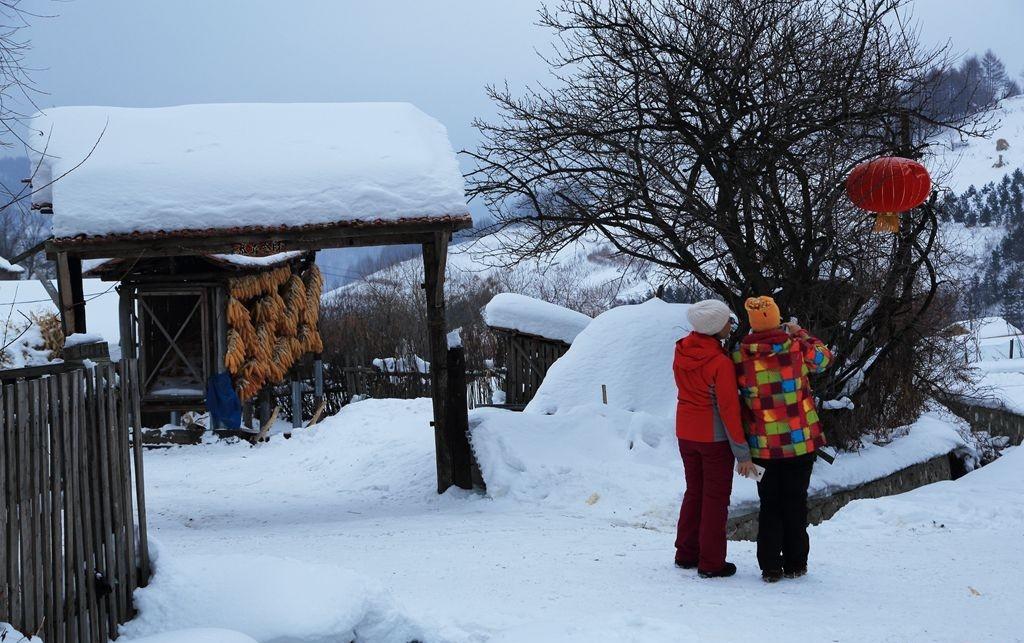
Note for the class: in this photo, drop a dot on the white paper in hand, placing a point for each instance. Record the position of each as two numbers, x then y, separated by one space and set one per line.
758 473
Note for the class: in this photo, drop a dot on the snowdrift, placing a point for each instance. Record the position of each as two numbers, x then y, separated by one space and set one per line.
621 460
628 349
268 599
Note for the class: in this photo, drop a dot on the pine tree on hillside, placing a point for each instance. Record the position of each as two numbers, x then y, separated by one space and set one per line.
994 74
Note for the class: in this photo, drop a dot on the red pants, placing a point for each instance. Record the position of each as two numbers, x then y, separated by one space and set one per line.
700 536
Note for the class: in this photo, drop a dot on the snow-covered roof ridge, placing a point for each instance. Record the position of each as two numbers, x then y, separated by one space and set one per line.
512 311
113 171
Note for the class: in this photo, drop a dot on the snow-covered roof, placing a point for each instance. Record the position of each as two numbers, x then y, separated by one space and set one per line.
985 328
223 167
534 317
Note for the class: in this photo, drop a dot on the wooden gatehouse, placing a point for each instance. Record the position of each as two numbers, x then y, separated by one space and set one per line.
185 203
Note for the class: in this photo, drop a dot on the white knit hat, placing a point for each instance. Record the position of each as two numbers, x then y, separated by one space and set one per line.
708 317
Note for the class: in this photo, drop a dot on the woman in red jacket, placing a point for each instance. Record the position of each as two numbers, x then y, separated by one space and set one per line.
710 437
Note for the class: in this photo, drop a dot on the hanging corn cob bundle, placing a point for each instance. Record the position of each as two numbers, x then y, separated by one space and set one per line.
252 378
272 318
309 332
235 353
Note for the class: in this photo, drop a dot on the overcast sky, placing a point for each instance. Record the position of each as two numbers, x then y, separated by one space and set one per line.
438 54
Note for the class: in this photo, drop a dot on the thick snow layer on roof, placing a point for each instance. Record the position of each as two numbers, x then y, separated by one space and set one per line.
198 167
534 317
246 261
629 350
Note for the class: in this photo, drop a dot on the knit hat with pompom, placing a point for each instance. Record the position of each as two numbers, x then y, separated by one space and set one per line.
763 313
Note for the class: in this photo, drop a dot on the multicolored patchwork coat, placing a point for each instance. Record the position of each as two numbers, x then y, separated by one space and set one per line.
778 411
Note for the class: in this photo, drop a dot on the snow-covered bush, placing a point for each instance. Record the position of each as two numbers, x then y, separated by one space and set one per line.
37 340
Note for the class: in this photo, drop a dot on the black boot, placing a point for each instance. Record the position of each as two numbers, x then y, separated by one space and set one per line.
771 575
796 573
727 570
685 564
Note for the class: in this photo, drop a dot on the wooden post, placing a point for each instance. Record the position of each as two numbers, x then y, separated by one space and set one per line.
140 483
296 403
435 256
318 381
72 296
457 426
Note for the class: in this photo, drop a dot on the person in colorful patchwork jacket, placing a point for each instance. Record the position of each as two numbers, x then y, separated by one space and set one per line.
783 430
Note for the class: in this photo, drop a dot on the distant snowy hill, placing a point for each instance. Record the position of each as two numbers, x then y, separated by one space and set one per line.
585 275
960 163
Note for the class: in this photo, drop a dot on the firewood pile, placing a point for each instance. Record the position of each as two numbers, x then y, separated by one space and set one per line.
272 321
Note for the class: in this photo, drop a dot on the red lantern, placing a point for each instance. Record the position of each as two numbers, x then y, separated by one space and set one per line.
888 186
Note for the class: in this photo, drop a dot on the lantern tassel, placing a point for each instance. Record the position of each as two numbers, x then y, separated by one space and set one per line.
887 222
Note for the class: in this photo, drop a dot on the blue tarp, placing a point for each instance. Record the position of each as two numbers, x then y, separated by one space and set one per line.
222 402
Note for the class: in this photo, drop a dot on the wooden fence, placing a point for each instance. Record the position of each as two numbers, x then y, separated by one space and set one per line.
71 550
527 359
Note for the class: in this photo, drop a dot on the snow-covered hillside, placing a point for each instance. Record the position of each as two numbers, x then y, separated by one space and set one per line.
586 271
960 163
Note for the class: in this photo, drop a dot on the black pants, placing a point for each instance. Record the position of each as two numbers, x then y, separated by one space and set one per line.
782 522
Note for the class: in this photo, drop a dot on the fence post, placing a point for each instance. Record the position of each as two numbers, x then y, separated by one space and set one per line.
457 426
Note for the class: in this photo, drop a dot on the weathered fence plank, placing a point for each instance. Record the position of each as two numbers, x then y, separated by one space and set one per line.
67 526
57 616
5 503
140 495
27 569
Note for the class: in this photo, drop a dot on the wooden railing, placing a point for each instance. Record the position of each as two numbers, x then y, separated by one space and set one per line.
72 520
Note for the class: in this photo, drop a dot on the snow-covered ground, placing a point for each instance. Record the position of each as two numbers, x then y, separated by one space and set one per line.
338 533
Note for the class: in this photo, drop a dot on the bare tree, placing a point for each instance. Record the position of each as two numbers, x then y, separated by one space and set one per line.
712 138
21 228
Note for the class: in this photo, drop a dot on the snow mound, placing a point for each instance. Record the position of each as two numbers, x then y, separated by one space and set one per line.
197 635
628 349
198 167
269 599
625 465
534 317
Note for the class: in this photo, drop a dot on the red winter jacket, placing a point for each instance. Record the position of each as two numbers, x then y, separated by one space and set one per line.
708 408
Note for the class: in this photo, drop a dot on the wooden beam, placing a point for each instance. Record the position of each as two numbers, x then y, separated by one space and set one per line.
51 291
435 256
71 292
171 245
125 309
39 247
